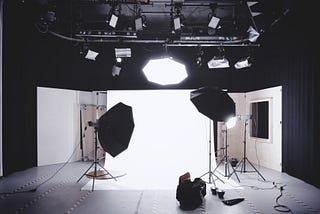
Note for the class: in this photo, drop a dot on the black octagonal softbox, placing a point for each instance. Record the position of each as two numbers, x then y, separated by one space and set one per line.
213 103
115 129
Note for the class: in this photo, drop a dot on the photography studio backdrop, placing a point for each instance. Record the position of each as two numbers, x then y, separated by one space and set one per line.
170 135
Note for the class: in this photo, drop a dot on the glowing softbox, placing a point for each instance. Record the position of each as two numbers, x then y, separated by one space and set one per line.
115 129
213 103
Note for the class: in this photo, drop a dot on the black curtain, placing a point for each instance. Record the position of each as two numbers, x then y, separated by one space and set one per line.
291 57
300 119
19 92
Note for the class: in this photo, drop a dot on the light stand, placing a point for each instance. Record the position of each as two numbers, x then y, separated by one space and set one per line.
95 163
226 160
245 159
210 172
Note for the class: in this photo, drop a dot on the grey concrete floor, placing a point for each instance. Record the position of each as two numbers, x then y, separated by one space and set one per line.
43 190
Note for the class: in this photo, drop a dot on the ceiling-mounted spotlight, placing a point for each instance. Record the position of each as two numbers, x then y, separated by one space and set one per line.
178 17
91 55
214 21
140 20
218 62
165 71
113 20
116 70
122 52
118 59
138 23
243 63
253 34
250 4
177 23
120 55
114 14
88 54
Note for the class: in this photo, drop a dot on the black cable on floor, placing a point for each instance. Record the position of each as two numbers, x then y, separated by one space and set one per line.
54 174
280 207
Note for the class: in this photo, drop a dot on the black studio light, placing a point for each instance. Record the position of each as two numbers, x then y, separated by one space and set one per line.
114 130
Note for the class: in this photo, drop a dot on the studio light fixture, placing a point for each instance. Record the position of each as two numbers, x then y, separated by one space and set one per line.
87 53
165 71
177 18
120 55
231 122
253 34
140 22
243 63
113 20
122 52
116 70
218 62
251 4
91 55
214 21
113 15
177 23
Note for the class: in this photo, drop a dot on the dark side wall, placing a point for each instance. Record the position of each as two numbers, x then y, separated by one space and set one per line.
30 59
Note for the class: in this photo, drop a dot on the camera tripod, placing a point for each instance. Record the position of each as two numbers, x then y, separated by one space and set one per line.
245 159
226 160
95 163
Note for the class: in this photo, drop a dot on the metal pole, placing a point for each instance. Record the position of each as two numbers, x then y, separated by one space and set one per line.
245 146
209 151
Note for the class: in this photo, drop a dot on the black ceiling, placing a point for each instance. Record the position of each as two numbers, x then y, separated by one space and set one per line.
87 20
56 60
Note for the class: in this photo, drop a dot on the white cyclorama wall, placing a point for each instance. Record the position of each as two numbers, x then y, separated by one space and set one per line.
58 125
170 137
267 153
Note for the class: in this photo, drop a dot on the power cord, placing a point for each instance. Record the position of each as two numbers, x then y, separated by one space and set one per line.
280 207
53 175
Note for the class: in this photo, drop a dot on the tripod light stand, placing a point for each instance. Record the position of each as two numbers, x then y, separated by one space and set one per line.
215 104
226 160
95 163
114 129
245 159
210 172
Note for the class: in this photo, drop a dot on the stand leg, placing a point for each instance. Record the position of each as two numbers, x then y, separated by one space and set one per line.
95 164
255 169
211 173
227 163
244 159
85 172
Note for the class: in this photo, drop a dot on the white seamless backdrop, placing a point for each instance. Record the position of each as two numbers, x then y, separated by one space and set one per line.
170 137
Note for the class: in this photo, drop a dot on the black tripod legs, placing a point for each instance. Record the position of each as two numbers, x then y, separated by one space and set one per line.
211 179
243 167
95 173
227 173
